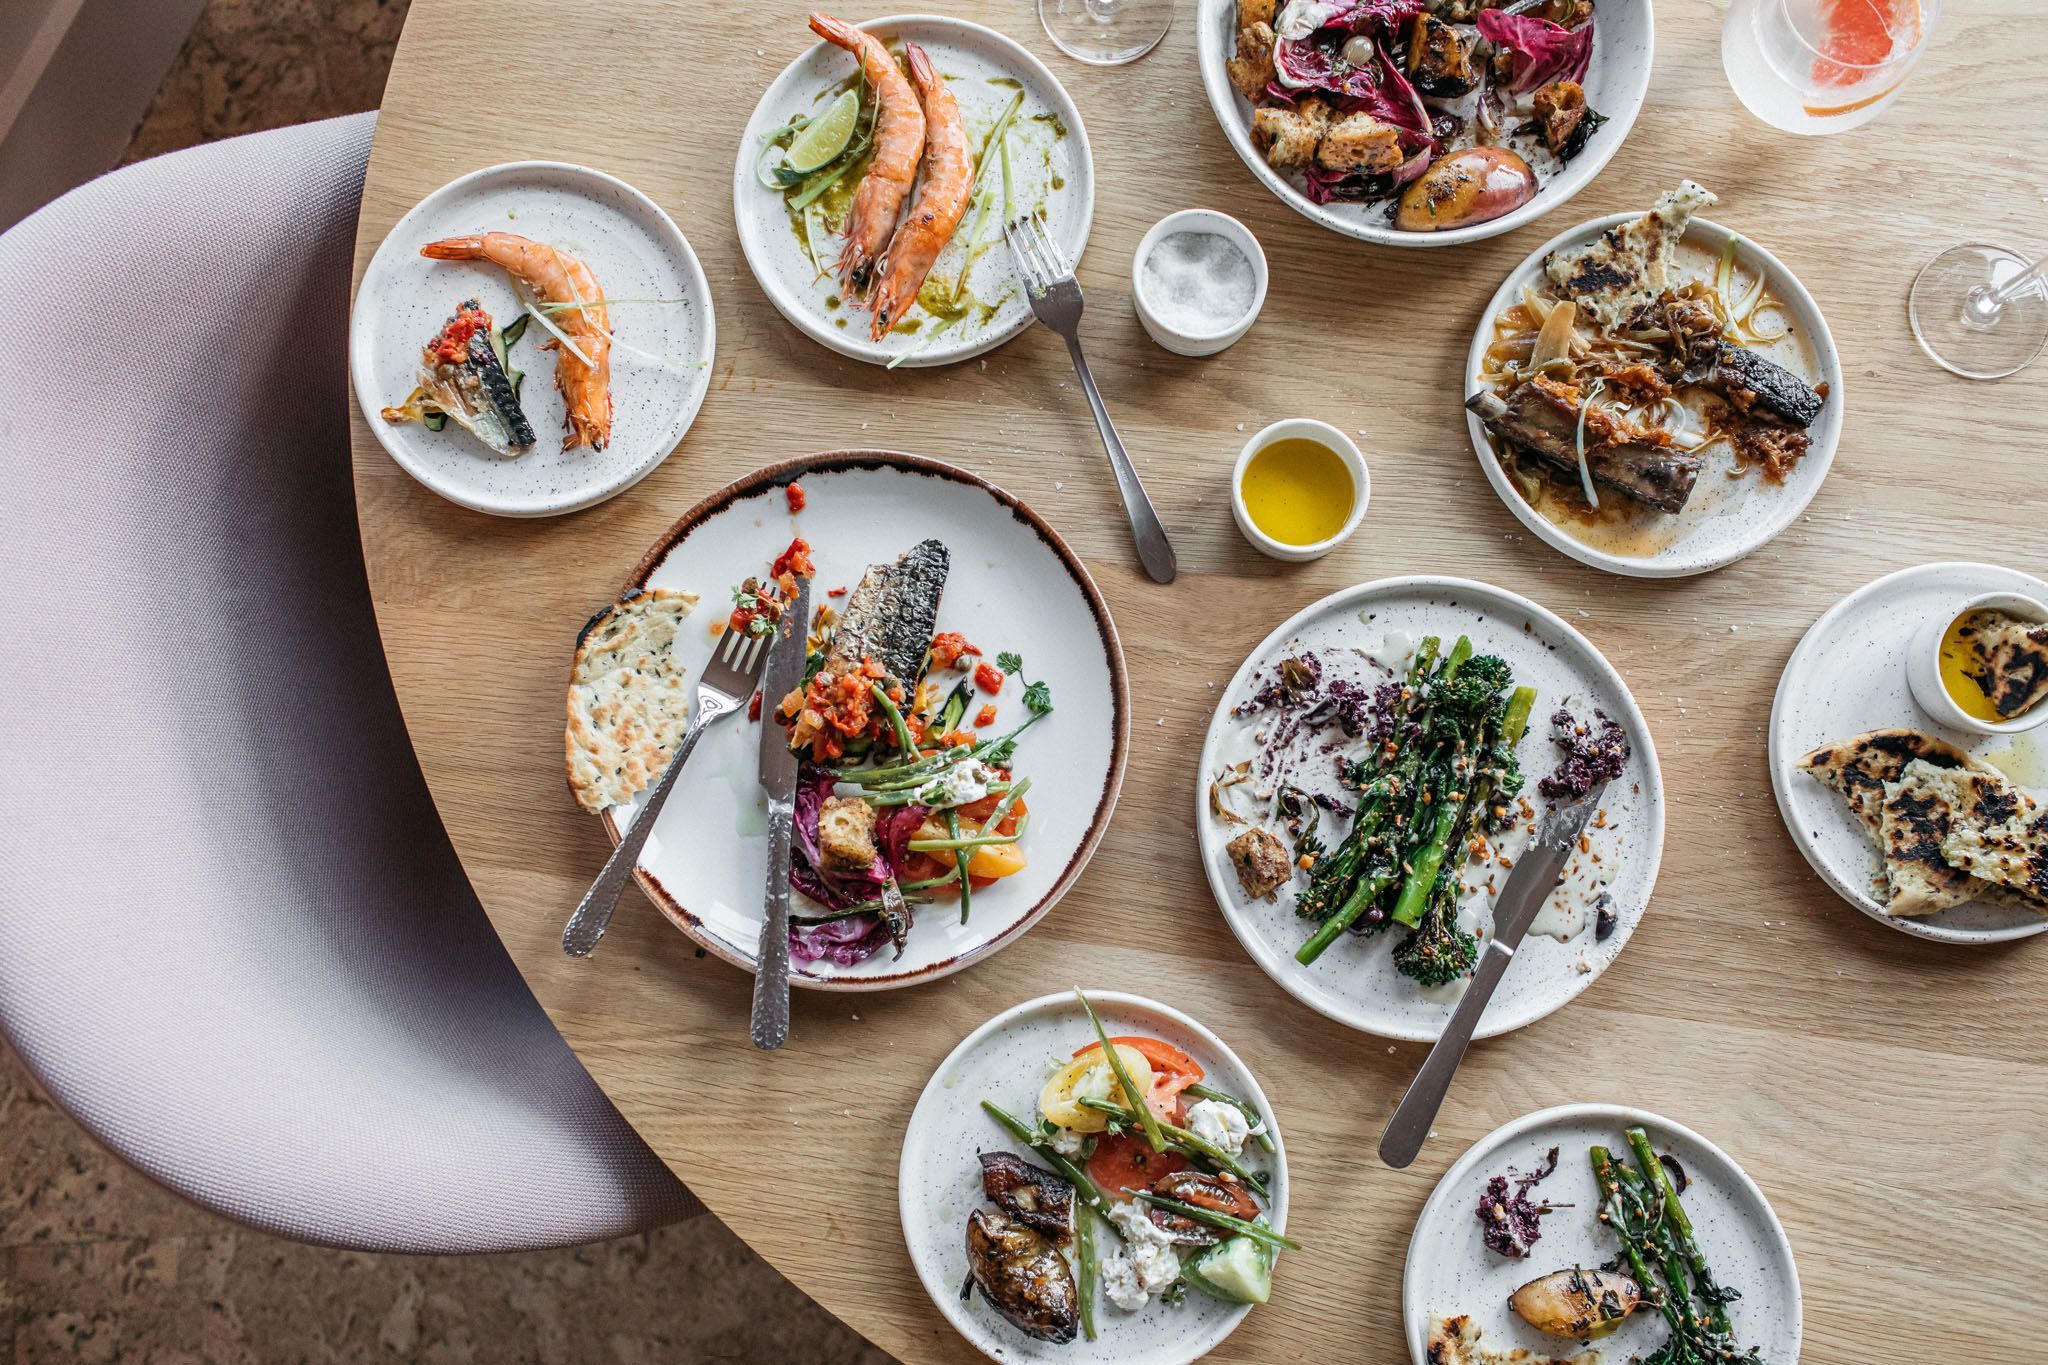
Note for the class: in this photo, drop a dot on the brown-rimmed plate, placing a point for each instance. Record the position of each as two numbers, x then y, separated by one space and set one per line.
1014 586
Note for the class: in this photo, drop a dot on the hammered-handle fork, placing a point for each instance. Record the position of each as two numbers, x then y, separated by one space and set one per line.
1055 297
728 680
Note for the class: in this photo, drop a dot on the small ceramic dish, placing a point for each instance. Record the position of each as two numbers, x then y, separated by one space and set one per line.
1616 83
660 313
1451 1271
1323 434
1923 666
1198 221
1845 678
939 1178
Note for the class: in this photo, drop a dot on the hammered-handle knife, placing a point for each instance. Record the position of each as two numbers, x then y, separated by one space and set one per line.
770 1027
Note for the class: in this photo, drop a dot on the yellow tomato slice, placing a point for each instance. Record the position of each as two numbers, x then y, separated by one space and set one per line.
996 860
1060 1102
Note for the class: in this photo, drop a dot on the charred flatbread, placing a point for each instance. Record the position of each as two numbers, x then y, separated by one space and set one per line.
1455 1341
1859 767
627 702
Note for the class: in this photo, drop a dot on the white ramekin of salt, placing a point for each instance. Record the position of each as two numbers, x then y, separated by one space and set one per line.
1199 279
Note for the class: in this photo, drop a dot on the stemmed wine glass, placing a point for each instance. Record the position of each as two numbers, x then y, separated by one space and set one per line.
1105 32
1981 310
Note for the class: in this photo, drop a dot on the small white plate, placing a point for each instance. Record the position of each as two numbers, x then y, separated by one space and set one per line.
939 1179
707 861
1355 982
1624 37
984 70
1451 1270
1725 518
661 365
1848 676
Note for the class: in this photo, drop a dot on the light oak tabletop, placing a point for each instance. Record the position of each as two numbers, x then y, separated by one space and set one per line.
1889 1095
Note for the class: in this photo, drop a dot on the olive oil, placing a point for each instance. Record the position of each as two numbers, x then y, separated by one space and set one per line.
1298 491
1963 664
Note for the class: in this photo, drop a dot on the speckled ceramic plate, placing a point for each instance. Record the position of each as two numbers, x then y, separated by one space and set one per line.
1355 981
1725 518
706 863
1006 1061
661 362
1848 676
1616 83
1451 1271
1050 164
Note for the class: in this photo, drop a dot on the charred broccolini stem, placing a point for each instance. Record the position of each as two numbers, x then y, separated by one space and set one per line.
1634 1209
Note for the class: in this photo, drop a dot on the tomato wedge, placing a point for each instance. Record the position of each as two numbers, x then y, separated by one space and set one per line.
1172 1072
1126 1160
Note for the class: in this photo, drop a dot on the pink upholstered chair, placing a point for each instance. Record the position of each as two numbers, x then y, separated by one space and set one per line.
235 943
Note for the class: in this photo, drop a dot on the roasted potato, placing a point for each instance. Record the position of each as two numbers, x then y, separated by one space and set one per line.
1577 1303
1475 185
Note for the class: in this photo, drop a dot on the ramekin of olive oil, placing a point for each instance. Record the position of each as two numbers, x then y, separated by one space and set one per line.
1300 487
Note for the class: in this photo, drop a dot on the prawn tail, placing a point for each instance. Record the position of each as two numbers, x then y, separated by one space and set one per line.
470 248
920 66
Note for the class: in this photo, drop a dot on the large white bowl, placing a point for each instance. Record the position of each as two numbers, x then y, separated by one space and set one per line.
1754 513
1623 45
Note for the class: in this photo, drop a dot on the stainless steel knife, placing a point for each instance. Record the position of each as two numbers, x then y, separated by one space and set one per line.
778 778
1529 885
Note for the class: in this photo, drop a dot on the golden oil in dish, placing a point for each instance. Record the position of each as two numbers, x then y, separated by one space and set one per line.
1298 490
1963 665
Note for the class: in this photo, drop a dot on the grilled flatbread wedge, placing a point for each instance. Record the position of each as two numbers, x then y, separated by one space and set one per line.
627 703
1859 767
1455 1341
2000 835
1918 812
1630 263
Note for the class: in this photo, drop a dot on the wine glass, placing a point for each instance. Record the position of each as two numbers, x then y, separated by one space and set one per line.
1823 66
1980 310
1105 32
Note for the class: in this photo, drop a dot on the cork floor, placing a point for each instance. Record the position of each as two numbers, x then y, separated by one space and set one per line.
98 1264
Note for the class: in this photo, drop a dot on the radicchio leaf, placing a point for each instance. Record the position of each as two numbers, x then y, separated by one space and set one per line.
1543 51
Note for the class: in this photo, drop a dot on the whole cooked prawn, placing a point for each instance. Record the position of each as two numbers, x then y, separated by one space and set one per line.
899 141
553 276
940 203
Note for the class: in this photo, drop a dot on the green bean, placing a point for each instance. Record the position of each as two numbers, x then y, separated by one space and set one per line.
1014 790
1184 1142
1258 1232
1123 1077
960 856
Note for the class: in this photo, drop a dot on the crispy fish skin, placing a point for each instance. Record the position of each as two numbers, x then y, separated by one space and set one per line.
1542 418
1020 1272
890 615
1037 1198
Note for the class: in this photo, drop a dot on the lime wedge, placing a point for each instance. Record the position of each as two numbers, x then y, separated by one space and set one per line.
825 136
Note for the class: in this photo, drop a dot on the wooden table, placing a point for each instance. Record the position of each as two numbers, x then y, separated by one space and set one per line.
1890 1095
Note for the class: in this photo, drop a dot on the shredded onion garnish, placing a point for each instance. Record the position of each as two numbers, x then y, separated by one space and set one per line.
1586 470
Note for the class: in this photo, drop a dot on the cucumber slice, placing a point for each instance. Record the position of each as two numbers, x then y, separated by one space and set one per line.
1237 1270
825 136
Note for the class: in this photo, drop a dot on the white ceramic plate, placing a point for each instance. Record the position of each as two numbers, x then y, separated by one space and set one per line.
939 1180
1355 982
1726 518
1623 44
661 365
1450 1269
984 70
706 863
1847 676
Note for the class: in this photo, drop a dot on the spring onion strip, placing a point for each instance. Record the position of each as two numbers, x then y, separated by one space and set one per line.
960 857
1724 276
1146 1119
544 320
1258 1232
1586 470
984 192
995 816
933 334
810 222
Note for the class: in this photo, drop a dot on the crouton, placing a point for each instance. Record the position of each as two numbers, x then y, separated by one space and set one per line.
1360 143
1288 137
846 833
1251 70
1251 12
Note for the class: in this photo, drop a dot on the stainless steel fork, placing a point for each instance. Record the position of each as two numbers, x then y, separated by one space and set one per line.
1056 301
728 680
